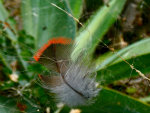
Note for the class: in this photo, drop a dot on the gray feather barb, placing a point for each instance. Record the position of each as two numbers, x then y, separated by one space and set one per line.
75 83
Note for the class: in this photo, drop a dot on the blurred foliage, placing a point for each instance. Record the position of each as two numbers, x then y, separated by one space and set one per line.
26 25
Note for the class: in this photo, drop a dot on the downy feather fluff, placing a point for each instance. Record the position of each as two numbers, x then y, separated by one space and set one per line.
73 82
74 86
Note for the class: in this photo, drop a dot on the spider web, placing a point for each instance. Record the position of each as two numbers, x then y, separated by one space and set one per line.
119 39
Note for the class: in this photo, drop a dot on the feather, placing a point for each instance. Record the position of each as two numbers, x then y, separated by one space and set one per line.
54 52
74 84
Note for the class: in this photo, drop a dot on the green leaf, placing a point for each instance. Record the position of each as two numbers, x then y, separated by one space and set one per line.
8 105
114 68
145 99
98 26
4 18
3 60
44 21
110 101
10 33
3 12
131 90
76 7
16 105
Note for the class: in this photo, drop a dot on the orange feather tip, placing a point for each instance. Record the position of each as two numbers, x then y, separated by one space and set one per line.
60 40
40 76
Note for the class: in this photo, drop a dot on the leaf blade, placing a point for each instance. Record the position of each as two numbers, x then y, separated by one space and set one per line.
98 26
47 21
111 101
114 68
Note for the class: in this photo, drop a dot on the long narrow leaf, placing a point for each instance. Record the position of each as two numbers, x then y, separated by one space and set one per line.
114 68
110 101
76 7
98 26
11 35
45 21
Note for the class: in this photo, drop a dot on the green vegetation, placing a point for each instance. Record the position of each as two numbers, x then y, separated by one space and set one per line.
41 21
